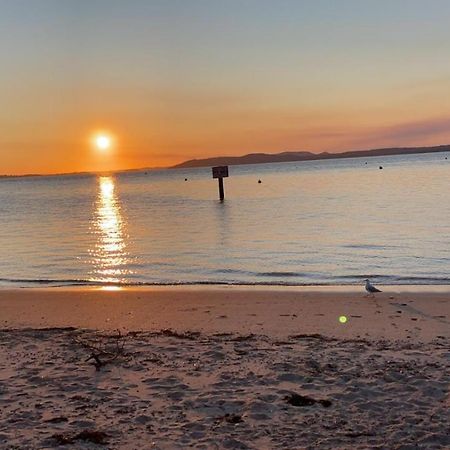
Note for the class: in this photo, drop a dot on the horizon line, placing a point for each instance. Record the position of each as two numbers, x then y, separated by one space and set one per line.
177 166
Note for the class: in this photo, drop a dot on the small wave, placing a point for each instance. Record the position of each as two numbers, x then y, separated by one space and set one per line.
45 281
259 274
361 276
232 272
58 283
370 246
281 274
339 281
391 279
422 280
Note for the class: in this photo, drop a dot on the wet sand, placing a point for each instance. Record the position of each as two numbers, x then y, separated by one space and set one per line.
276 312
224 368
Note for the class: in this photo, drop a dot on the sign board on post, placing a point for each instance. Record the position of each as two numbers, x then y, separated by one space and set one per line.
220 172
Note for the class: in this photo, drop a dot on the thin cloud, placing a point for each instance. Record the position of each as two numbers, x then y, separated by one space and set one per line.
417 130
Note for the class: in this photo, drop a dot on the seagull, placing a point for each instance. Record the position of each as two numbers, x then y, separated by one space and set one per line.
370 288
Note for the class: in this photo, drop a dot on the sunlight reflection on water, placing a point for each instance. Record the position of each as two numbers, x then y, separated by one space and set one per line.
109 256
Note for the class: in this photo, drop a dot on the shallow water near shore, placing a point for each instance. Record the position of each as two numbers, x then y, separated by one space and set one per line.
330 222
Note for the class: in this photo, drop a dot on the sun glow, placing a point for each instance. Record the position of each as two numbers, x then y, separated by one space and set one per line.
102 141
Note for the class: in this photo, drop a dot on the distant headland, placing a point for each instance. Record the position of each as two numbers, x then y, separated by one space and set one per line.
260 158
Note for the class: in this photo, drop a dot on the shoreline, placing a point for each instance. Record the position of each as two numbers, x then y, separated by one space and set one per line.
404 313
386 288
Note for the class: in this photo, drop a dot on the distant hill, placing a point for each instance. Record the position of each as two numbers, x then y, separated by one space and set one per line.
259 158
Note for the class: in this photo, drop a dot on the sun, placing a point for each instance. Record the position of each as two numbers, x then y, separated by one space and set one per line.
103 142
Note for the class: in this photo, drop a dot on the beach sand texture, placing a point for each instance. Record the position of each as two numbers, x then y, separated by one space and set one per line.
224 368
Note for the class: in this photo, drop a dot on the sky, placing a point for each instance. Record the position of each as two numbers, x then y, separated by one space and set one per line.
172 80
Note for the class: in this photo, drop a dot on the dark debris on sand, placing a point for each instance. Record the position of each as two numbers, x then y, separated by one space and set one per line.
230 418
189 335
93 436
303 400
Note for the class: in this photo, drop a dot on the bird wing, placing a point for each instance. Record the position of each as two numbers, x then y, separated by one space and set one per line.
373 289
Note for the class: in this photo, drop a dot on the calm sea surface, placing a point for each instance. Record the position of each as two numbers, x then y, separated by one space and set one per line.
327 222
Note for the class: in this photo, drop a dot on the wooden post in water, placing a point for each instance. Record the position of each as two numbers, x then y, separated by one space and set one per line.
220 173
221 193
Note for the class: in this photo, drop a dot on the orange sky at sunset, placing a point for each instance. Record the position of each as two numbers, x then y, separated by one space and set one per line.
173 83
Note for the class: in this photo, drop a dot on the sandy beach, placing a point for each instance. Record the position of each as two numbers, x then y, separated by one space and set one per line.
224 367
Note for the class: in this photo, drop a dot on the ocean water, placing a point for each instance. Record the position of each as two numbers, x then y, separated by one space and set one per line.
308 223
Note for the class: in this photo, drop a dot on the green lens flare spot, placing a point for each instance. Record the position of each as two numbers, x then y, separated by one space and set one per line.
343 319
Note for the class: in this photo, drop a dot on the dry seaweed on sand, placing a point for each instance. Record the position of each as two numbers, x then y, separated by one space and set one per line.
303 400
93 436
